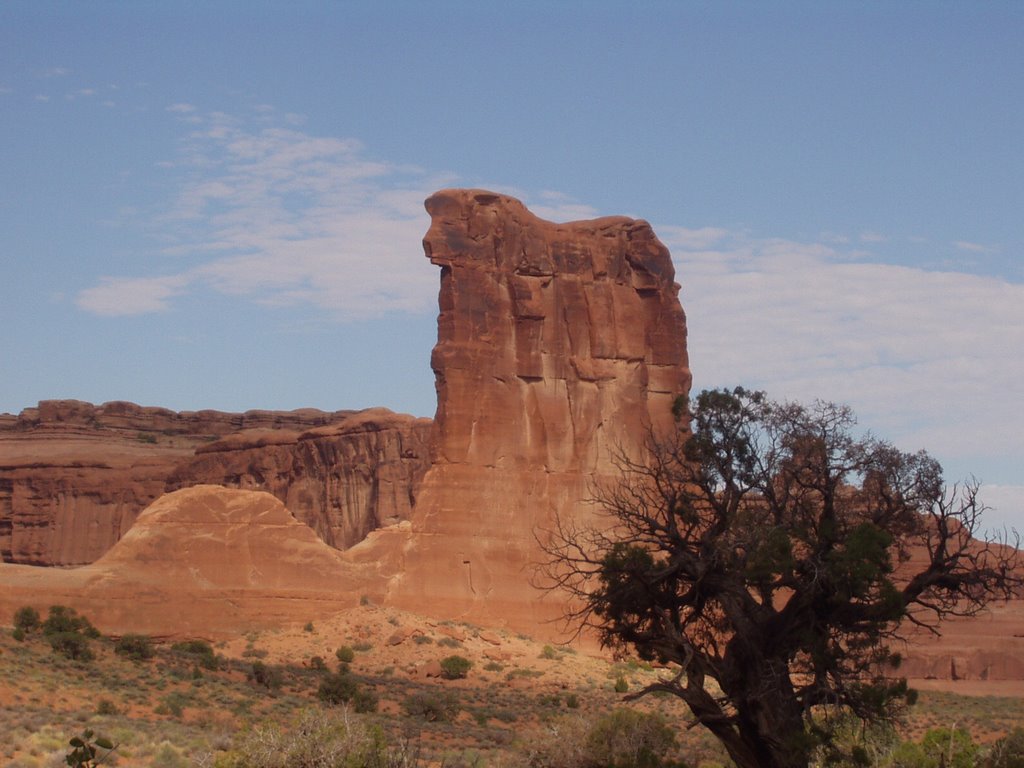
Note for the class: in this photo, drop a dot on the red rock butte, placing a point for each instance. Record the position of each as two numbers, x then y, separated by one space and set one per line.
557 344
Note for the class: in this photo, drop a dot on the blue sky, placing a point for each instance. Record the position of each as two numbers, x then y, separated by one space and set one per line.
219 204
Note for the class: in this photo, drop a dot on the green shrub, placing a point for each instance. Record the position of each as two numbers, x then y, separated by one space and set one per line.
337 688
134 647
71 645
345 654
106 707
455 667
18 634
1008 752
362 646
27 619
422 639
627 738
198 651
441 707
621 686
86 752
267 676
62 619
308 627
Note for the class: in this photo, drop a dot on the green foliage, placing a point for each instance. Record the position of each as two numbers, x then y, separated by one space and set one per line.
455 667
199 652
87 752
342 688
106 707
19 634
265 675
62 619
1008 752
72 645
621 685
756 546
134 647
309 627
27 619
626 738
442 706
345 654
938 748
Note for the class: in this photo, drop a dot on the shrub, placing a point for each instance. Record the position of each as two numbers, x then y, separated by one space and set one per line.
621 686
84 750
18 634
134 647
71 645
442 707
626 738
455 667
422 639
106 707
197 651
362 646
27 619
62 619
337 688
320 738
267 676
345 654
308 627
1008 752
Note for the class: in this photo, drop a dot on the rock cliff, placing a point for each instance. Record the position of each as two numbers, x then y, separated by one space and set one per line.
343 480
557 345
74 476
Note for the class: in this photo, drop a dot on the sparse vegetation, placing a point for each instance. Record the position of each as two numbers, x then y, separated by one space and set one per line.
455 667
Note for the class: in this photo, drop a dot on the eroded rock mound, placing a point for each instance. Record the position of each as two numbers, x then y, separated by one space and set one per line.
203 561
557 344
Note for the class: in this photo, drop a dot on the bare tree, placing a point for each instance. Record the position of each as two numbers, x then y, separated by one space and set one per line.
771 559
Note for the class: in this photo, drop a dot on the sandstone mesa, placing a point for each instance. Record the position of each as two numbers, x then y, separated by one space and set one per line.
557 344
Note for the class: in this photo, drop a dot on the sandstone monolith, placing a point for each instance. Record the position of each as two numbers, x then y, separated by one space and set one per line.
558 345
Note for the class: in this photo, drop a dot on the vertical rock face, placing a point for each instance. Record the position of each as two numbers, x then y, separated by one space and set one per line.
342 480
557 344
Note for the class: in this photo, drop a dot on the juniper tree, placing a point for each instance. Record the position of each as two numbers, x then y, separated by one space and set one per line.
774 561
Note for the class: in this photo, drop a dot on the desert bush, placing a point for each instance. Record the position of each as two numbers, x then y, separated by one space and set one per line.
71 645
455 667
106 707
134 647
264 675
938 748
62 619
198 651
362 646
1008 752
26 619
434 707
342 688
345 654
318 739
422 639
87 752
623 738
621 686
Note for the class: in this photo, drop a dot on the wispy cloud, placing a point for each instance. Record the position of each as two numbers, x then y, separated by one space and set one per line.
115 297
926 353
964 245
283 217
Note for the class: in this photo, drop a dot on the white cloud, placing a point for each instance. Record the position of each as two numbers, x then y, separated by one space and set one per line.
120 296
926 358
1006 503
283 217
181 108
963 245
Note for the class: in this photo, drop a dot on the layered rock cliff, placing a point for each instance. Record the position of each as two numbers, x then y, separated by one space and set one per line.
74 476
557 345
343 480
